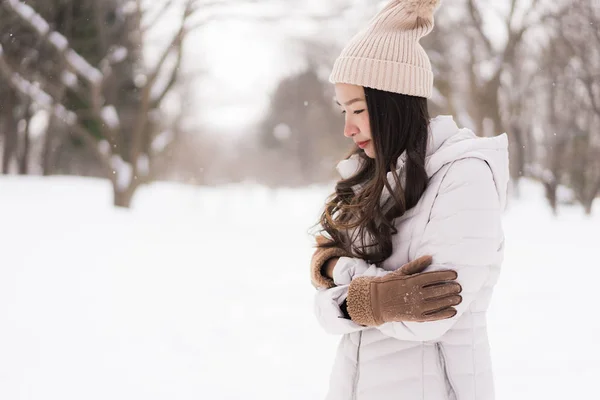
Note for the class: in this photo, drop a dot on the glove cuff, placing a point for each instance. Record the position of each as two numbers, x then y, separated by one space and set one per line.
321 256
360 307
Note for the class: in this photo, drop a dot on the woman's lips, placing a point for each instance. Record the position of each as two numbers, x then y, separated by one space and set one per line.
364 144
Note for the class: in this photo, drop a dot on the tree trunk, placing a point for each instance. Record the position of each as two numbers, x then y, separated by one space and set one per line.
47 154
587 205
9 146
551 195
24 153
24 156
517 153
122 198
10 131
589 201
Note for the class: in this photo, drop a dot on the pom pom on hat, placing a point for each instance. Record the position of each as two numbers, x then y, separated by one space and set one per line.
387 54
423 8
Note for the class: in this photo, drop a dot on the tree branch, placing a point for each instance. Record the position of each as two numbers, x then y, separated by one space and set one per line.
589 87
146 95
44 100
478 24
172 79
57 41
511 14
68 57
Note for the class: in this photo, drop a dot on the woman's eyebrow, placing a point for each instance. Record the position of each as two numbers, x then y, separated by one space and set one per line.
350 102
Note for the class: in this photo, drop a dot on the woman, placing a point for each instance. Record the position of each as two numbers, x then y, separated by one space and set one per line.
417 193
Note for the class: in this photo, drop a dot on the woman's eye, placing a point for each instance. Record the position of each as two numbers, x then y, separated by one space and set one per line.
358 111
343 112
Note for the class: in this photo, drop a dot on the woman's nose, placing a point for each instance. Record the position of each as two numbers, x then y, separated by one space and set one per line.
350 130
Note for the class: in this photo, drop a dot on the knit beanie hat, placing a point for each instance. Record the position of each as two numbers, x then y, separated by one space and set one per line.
386 55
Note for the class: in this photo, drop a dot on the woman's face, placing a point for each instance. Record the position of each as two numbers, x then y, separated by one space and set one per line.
353 105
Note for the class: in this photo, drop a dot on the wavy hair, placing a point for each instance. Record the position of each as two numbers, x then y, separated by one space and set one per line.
399 123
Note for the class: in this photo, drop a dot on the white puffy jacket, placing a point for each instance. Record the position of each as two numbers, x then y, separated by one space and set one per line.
458 222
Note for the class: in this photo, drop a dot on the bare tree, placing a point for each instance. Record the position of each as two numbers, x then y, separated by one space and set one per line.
580 36
568 86
125 156
490 62
552 89
16 109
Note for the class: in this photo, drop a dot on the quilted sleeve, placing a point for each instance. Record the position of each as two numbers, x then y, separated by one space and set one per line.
464 233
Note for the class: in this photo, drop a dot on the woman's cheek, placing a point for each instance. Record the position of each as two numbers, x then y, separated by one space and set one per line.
364 123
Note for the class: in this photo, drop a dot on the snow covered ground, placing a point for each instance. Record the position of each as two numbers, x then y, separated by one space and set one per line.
204 294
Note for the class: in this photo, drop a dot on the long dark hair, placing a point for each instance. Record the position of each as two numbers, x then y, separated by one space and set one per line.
399 123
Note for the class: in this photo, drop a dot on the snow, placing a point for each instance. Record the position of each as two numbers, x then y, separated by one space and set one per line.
282 132
38 124
161 141
83 67
32 90
488 68
110 117
40 97
117 55
40 24
203 293
21 8
104 147
69 79
67 116
565 195
143 165
43 99
59 41
140 80
123 171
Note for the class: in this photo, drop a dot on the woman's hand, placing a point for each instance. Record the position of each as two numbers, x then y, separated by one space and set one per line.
408 294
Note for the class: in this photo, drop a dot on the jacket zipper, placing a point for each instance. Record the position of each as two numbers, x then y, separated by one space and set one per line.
355 384
442 358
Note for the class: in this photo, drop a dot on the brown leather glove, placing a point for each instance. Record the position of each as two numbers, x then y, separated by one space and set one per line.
407 294
319 258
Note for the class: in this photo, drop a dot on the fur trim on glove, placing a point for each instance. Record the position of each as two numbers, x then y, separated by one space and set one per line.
359 302
319 258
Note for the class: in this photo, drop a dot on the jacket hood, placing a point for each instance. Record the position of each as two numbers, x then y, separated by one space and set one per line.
448 143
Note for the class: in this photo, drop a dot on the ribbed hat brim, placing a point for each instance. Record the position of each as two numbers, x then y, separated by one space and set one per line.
384 75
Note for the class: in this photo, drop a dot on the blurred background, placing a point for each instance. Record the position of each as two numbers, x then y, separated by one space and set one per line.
162 162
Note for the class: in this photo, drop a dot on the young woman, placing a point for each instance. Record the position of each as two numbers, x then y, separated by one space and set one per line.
411 242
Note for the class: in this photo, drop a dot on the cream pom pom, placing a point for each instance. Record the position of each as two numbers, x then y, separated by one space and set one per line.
423 8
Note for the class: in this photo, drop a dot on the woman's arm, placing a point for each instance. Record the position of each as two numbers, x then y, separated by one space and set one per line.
332 271
404 294
464 232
